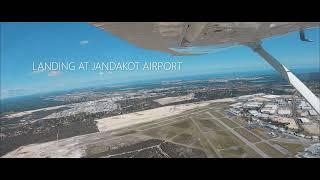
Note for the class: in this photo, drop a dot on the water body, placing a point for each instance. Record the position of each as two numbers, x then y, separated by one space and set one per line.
262 81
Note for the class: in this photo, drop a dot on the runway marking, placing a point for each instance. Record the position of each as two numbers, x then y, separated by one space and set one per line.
240 137
208 141
261 139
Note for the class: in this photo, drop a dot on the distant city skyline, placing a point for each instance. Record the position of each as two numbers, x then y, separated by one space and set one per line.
25 43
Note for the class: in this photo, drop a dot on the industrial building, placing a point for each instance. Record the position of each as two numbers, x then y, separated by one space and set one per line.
280 109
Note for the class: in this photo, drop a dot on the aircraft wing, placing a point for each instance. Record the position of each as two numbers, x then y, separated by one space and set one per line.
178 38
186 38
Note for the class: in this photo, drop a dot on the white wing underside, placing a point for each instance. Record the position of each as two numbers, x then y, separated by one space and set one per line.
165 36
188 38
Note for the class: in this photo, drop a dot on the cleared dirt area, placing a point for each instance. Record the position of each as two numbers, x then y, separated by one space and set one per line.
191 131
313 128
169 100
121 121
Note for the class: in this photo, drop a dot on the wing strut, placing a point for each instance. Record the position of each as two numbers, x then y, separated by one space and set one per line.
313 100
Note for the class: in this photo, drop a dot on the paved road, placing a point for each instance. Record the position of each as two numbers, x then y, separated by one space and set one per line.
279 148
261 153
212 146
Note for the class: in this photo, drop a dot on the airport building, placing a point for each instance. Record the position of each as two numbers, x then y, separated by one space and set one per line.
284 112
304 105
303 120
252 105
269 109
312 112
278 109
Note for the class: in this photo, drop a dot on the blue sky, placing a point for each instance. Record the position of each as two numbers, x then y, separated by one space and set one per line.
23 43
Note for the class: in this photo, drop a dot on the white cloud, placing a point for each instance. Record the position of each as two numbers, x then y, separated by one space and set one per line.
38 71
84 42
54 73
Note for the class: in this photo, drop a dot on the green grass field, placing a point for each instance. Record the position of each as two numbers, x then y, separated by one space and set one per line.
269 150
291 147
245 133
239 152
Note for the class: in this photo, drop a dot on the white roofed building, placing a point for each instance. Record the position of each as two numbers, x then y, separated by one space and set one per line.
304 120
269 109
271 96
252 105
284 112
312 112
236 105
304 105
